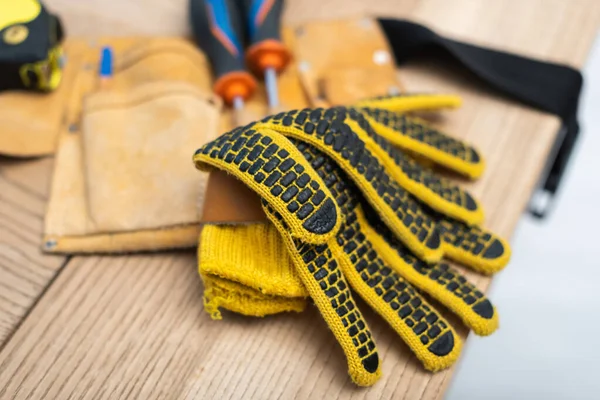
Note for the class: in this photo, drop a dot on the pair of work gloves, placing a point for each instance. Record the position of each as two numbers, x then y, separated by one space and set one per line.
353 203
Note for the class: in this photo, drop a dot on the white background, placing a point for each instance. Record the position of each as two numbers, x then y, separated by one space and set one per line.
548 344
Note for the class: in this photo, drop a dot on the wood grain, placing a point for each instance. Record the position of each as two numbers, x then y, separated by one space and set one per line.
134 326
24 270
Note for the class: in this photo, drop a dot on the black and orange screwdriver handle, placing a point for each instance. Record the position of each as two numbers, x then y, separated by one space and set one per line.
218 29
266 53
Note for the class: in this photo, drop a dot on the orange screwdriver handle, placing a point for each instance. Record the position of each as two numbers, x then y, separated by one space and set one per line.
269 53
234 84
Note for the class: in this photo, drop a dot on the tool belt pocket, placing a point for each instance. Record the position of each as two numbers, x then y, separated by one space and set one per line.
343 61
137 147
123 178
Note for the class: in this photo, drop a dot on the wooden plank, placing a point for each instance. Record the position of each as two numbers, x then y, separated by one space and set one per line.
24 270
134 326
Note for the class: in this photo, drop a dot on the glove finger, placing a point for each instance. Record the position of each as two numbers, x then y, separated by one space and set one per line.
427 334
474 247
272 166
328 132
319 271
442 282
416 136
408 102
420 326
437 192
370 250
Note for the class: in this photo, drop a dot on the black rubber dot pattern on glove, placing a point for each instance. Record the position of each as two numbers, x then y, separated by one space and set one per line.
336 136
324 269
400 296
440 186
444 275
273 168
470 238
407 126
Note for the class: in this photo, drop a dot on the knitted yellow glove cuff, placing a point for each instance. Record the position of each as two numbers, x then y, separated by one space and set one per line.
221 293
253 255
246 269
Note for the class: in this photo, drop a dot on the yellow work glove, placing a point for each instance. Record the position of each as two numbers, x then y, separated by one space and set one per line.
456 212
302 206
411 199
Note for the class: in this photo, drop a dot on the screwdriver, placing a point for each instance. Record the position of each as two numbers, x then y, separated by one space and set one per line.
266 53
218 28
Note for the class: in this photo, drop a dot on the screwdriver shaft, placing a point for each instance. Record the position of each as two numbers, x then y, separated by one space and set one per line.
271 88
238 103
238 111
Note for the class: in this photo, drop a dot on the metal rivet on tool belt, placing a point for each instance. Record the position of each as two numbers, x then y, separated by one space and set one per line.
393 90
50 244
73 128
381 57
304 66
366 23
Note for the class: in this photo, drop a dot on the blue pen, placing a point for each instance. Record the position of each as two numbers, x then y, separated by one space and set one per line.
106 66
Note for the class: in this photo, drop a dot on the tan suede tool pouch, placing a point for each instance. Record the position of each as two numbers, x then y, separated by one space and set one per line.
342 61
124 180
136 146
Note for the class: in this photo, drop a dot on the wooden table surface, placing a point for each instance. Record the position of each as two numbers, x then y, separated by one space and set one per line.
134 326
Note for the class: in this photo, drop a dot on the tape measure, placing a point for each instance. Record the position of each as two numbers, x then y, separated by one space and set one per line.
30 46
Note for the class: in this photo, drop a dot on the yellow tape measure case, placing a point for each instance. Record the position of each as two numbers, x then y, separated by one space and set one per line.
30 52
